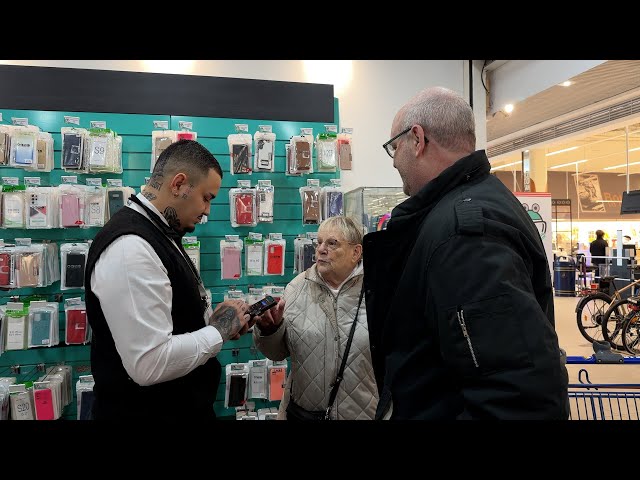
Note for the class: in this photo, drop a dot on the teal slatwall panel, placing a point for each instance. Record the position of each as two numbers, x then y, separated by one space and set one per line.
136 147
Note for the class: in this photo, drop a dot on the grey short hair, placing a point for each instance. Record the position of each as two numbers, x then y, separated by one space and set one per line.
446 117
351 230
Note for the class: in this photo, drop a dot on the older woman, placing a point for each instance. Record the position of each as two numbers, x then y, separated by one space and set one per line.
313 328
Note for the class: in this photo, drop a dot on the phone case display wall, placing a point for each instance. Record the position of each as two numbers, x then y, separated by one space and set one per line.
272 212
373 205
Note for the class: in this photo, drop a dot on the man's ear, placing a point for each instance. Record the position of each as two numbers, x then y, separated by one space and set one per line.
178 180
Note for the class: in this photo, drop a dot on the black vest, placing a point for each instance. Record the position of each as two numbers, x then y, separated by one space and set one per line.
116 395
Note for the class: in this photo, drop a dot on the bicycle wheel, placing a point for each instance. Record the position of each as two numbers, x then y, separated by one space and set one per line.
613 322
590 313
631 334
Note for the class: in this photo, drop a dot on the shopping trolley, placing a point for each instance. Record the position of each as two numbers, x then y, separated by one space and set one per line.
598 401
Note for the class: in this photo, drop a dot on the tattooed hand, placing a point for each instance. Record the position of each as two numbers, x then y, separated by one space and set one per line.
230 319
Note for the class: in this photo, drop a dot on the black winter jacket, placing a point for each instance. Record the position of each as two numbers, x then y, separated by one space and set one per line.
460 305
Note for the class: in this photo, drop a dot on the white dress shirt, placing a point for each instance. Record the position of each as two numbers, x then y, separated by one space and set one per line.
135 294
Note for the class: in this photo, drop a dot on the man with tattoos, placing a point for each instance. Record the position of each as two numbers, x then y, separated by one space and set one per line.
155 337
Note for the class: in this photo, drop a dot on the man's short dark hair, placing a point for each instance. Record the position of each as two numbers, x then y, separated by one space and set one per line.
187 156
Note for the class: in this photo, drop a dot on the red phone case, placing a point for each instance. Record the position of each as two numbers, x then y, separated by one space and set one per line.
244 209
76 326
274 260
43 400
5 269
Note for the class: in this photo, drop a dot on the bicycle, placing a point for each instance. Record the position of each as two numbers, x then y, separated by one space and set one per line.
601 316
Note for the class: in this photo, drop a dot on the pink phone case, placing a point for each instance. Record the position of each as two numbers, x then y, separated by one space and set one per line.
70 211
231 263
43 400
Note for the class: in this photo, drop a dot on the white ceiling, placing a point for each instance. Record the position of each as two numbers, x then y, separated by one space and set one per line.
601 150
607 80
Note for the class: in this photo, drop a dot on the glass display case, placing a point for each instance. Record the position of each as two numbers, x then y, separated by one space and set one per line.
373 205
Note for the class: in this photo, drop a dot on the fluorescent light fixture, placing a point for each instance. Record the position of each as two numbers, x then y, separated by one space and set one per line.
566 83
567 164
620 166
561 151
505 165
508 108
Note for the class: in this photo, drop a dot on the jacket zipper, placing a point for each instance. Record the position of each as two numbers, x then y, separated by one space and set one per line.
463 326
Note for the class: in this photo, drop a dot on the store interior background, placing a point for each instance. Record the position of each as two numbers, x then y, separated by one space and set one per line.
595 120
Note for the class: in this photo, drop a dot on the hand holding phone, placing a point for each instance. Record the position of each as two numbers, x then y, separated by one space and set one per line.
270 319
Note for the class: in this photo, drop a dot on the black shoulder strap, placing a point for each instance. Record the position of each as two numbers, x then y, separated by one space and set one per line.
336 384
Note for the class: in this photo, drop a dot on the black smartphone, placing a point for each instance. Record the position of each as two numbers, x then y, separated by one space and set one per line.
262 306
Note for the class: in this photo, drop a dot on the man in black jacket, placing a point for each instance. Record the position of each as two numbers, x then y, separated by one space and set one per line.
458 291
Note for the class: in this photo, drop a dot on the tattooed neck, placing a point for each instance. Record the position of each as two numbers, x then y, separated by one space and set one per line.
172 218
148 195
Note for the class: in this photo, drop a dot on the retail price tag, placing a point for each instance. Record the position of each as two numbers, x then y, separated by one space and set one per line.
185 125
98 124
262 128
347 130
114 182
275 236
32 181
255 236
264 183
306 131
313 182
331 128
94 182
69 179
232 238
242 128
72 120
10 180
244 183
23 122
163 124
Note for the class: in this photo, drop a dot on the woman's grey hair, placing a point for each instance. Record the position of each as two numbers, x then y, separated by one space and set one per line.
446 117
352 231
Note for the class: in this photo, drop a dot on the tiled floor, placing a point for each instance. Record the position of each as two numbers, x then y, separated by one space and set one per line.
575 344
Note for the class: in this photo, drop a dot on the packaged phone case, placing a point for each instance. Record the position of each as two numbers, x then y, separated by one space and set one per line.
277 380
39 209
76 329
310 197
327 151
160 140
265 197
73 141
254 253
71 205
242 204
345 148
240 150
73 258
301 154
332 199
44 153
13 206
230 258
237 375
265 142
274 254
24 143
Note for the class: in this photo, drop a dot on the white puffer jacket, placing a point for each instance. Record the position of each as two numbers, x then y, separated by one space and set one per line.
314 333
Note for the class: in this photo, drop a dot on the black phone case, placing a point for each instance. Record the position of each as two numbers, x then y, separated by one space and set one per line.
308 256
116 202
71 151
240 158
74 270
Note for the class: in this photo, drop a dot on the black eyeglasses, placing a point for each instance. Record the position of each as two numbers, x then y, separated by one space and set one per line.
390 149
